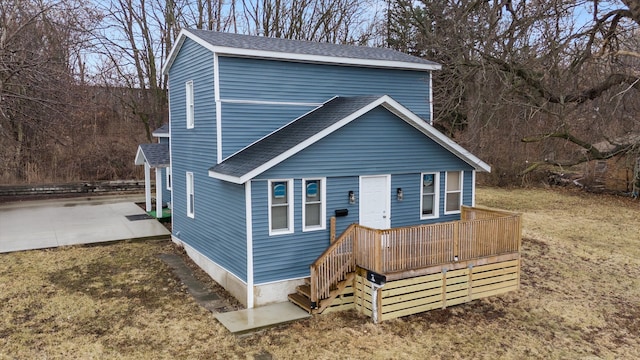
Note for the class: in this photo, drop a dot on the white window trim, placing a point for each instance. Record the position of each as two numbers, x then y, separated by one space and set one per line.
190 191
290 190
436 195
323 205
190 104
168 179
446 175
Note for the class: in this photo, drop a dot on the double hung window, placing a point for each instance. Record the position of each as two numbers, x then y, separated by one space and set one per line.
453 192
313 205
429 195
280 207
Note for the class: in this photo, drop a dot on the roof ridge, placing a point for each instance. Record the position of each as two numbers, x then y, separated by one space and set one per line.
307 47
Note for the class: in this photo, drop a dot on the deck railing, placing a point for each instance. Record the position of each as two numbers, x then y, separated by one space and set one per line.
480 233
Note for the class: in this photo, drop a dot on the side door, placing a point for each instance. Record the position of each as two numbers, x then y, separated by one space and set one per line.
375 201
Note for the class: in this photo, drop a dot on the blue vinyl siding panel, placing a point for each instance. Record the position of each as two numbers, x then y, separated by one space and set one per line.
376 143
282 257
467 188
407 212
218 229
243 124
271 80
166 194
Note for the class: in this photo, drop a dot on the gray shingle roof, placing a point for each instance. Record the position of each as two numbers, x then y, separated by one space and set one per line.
156 155
262 43
161 131
303 128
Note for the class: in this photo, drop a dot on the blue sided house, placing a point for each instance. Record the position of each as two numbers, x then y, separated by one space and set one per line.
278 146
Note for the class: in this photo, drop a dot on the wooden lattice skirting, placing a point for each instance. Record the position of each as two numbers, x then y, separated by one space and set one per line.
418 294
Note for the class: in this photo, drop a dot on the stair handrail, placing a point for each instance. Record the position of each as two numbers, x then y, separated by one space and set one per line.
344 264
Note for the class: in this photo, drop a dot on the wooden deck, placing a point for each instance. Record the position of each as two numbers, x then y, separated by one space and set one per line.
483 242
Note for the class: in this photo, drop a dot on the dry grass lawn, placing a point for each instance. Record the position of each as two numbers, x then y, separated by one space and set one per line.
579 299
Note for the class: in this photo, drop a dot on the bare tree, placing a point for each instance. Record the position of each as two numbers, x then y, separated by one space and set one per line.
134 42
534 71
39 67
341 21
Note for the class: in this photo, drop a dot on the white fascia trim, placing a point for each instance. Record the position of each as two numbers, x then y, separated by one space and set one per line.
225 177
216 92
223 50
249 224
263 102
473 188
431 98
174 52
140 159
263 54
434 134
159 135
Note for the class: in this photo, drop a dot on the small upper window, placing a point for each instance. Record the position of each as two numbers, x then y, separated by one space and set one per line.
280 207
453 192
313 207
191 209
190 105
429 196
168 172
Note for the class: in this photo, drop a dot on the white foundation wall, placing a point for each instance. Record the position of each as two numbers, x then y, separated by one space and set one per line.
263 294
274 292
236 287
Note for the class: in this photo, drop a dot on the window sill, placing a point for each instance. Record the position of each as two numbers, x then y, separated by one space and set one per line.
280 232
313 228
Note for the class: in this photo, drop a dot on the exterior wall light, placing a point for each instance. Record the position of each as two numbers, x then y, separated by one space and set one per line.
352 197
399 194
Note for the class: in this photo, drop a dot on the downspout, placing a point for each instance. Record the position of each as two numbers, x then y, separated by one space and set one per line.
248 222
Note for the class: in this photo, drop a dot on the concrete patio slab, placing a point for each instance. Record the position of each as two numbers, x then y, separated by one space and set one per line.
248 320
45 224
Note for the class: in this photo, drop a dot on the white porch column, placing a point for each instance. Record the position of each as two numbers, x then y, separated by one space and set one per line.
158 192
147 186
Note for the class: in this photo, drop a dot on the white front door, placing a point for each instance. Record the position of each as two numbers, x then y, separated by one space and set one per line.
375 193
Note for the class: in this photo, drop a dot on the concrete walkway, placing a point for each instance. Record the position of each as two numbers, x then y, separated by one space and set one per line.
28 225
39 224
251 320
238 322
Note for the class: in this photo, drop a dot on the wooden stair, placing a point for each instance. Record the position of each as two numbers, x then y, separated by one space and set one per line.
302 296
335 301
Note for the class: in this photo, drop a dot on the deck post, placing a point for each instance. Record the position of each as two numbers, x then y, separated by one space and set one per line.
377 249
354 247
314 287
376 302
158 192
332 229
456 241
147 186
